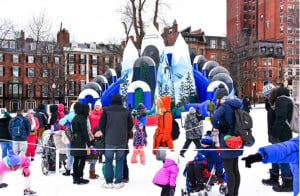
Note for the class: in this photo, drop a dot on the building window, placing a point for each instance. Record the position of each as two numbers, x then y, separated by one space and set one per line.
45 60
290 61
297 72
290 51
246 65
1 57
297 61
1 70
264 73
15 58
279 50
297 51
281 29
290 8
213 43
271 50
223 59
261 17
290 72
82 58
12 44
45 72
15 90
270 73
265 62
281 19
94 59
71 58
290 40
56 60
82 69
30 72
44 90
81 84
201 51
280 63
268 24
106 59
297 40
254 62
71 87
30 90
289 30
281 8
290 19
270 61
32 46
1 89
15 71
30 59
297 30
94 71
213 57
4 44
263 50
71 69
56 73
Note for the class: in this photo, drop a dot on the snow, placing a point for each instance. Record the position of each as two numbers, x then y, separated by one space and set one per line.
141 175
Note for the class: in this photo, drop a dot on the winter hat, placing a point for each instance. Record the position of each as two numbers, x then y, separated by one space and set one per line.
233 142
140 107
172 156
221 92
192 110
267 89
98 102
207 139
30 111
116 99
13 159
137 125
41 106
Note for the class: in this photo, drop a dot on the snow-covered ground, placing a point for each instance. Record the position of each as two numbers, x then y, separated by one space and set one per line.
141 175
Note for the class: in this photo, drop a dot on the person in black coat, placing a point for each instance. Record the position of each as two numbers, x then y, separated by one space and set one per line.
246 104
79 127
5 135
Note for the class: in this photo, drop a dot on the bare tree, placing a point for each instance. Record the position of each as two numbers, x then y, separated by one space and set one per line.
6 29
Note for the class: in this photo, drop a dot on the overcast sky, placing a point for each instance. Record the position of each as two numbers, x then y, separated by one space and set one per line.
99 21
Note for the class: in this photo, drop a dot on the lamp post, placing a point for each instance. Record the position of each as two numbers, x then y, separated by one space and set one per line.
254 89
53 92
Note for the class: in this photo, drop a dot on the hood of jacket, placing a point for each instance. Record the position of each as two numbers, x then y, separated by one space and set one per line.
169 162
53 108
82 108
116 99
41 107
235 103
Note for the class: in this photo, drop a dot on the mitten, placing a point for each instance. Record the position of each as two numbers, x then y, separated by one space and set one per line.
26 172
252 159
233 142
93 150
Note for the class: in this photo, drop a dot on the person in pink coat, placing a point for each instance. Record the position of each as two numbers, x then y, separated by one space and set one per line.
95 115
13 162
32 137
167 175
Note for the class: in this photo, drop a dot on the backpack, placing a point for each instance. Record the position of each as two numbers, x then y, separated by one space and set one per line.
42 118
175 129
18 129
243 127
293 124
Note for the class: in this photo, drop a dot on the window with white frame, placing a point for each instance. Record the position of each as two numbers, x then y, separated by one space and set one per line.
94 59
281 8
82 58
297 72
106 59
94 71
223 44
297 40
30 72
270 73
45 59
213 43
82 69
290 40
1 57
15 89
213 57
30 59
71 87
297 30
56 73
264 73
265 62
81 84
290 72
1 70
71 69
45 72
297 51
12 44
71 58
290 51
15 71
289 19
290 7
32 46
290 61
270 61
4 44
44 90
29 90
56 60
15 58
1 89
297 61
281 19
281 29
289 30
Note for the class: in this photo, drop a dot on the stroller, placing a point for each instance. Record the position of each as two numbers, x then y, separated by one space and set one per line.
51 142
199 180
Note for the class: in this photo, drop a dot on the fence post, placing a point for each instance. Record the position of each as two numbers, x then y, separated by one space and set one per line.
56 161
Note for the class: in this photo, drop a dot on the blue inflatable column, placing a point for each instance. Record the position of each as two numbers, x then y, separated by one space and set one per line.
147 100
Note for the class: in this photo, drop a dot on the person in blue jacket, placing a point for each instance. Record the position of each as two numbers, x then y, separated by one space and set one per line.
224 120
284 152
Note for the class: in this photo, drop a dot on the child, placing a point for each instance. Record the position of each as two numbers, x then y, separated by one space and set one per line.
12 162
139 141
166 176
32 137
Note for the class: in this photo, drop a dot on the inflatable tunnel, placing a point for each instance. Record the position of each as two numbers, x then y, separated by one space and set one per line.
146 94
209 65
198 62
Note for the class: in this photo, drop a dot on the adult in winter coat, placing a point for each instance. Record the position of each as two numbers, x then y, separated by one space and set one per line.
115 124
162 135
246 104
4 134
223 120
42 116
280 111
79 127
193 131
284 152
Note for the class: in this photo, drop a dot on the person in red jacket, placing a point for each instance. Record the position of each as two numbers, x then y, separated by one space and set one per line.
162 135
32 137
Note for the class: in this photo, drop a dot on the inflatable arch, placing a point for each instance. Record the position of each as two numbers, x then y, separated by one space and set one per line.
212 88
110 75
88 96
152 52
216 70
198 62
102 81
209 65
226 79
146 92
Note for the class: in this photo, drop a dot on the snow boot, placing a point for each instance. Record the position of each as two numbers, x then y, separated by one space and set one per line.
272 181
29 192
287 186
67 173
82 181
3 185
92 174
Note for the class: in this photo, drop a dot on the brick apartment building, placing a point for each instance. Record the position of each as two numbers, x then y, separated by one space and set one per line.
263 39
49 72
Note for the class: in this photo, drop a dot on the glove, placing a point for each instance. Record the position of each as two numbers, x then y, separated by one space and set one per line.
26 172
252 159
93 150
